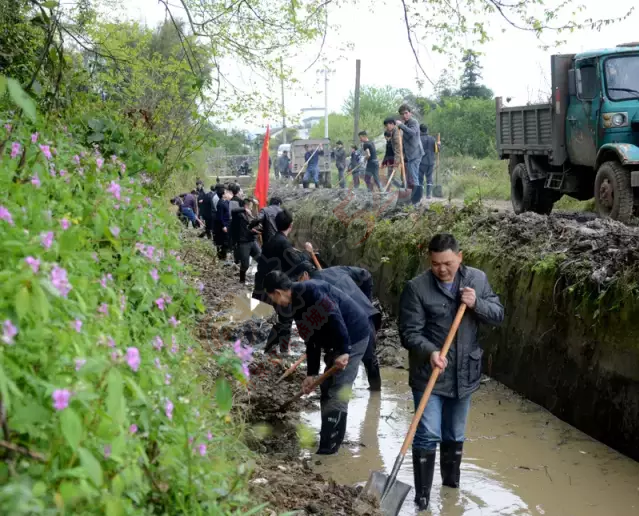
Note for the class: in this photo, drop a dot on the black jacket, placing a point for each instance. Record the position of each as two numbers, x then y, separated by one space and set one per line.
267 219
278 254
356 283
426 313
327 319
241 226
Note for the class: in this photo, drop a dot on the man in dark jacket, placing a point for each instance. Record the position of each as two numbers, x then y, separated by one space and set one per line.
311 158
267 219
207 213
278 254
428 161
283 165
246 247
224 225
427 307
329 320
357 284
355 165
412 147
340 162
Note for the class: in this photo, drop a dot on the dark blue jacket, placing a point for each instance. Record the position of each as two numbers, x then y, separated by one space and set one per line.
327 319
224 213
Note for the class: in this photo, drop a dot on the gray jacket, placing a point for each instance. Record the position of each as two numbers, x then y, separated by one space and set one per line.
411 142
427 310
340 158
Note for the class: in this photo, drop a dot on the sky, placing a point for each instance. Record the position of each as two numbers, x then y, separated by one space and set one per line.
514 65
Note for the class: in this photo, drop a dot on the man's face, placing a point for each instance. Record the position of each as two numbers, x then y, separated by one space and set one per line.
362 138
281 297
405 115
390 127
445 265
306 148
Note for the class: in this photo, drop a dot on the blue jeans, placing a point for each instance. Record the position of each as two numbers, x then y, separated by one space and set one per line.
444 419
312 172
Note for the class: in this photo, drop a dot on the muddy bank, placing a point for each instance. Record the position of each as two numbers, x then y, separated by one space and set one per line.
568 282
282 476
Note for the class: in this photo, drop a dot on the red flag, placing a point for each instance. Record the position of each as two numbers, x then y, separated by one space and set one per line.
261 185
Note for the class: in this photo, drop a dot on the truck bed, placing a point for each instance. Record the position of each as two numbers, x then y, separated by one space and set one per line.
524 129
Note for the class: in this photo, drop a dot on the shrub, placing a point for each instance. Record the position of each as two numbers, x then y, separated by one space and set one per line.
101 407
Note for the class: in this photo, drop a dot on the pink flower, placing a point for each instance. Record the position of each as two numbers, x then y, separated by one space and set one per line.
77 325
209 436
95 257
167 379
200 286
154 274
99 162
65 224
189 350
168 409
46 151
52 171
7 127
81 172
202 450
103 309
191 438
35 181
116 355
173 321
140 231
60 281
79 362
114 158
115 231
133 358
107 451
76 159
34 137
114 189
148 252
6 215
174 347
15 149
63 173
157 363
127 200
8 332
46 239
34 263
122 168
110 342
61 399
158 343
160 302
133 428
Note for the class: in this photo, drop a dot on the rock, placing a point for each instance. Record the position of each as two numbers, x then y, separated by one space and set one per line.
259 481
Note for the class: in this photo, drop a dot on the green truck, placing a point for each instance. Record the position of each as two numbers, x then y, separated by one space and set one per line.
585 142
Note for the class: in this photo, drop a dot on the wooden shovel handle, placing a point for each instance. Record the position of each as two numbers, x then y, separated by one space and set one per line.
401 157
317 382
431 382
290 370
314 258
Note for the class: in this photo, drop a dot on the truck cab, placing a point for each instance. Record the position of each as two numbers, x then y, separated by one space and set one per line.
585 142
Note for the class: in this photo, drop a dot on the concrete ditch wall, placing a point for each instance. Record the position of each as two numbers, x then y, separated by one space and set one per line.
568 349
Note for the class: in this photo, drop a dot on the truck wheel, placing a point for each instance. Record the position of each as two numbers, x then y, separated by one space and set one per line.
613 192
523 191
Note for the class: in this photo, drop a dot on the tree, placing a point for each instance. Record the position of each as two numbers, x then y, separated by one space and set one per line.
375 102
471 77
276 141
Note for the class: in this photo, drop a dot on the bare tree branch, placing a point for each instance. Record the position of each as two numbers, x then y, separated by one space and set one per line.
412 46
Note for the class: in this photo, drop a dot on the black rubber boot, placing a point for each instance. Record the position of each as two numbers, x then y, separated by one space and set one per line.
373 375
450 457
332 432
316 185
423 471
242 276
305 184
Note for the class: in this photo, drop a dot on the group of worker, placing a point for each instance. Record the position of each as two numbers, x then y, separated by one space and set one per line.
334 313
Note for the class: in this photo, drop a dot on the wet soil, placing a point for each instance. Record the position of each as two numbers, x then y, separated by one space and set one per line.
389 350
283 476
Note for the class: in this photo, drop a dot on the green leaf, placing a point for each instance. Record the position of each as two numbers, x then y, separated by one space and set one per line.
95 137
3 84
136 390
21 99
22 302
113 507
91 466
71 427
255 510
39 302
223 395
96 125
51 4
116 406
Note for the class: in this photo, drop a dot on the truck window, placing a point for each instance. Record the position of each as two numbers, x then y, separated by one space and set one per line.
588 82
622 77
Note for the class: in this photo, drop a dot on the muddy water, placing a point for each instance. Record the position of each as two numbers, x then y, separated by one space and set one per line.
518 460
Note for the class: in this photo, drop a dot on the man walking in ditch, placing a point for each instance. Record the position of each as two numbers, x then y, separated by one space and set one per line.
327 319
372 164
267 219
340 162
428 306
413 150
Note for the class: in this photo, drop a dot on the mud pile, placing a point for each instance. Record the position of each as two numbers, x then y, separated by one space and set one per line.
389 349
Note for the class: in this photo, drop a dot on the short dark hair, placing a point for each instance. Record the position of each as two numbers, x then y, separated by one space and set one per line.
194 192
354 147
219 190
423 128
277 280
285 152
199 182
389 120
299 265
339 142
362 133
213 188
442 242
283 220
387 134
235 188
275 201
404 108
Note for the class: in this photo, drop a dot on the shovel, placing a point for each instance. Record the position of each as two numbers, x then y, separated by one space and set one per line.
318 381
391 492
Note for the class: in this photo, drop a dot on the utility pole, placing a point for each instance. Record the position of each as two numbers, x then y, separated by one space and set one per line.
325 102
283 108
358 66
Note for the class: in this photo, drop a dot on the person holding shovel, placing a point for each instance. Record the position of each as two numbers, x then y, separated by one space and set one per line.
329 320
428 306
413 150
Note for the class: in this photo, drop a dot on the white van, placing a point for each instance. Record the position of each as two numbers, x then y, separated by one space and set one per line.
284 147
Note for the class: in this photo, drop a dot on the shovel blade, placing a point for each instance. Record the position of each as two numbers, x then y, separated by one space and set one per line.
390 502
